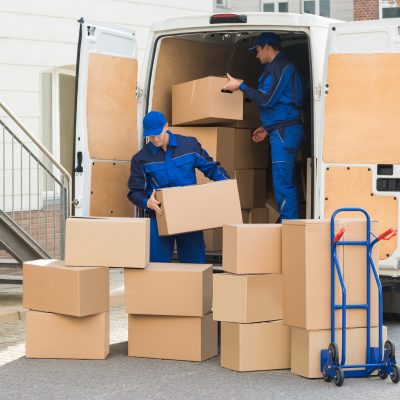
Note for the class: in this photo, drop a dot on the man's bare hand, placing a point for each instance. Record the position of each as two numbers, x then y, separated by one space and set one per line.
232 85
259 134
153 204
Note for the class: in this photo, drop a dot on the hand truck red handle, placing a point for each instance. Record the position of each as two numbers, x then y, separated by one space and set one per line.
387 235
339 235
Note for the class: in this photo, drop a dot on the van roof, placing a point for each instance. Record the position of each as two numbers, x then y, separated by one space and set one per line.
254 20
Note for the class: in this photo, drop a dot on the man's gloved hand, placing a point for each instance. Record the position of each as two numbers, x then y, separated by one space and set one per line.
153 204
232 85
259 134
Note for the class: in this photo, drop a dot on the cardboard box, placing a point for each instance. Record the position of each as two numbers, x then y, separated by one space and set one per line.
251 117
213 239
181 289
307 345
306 270
259 216
273 213
246 216
49 335
255 347
172 338
202 102
252 248
198 207
232 148
247 298
51 286
108 242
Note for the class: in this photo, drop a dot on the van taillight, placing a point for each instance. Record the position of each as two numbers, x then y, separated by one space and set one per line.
228 19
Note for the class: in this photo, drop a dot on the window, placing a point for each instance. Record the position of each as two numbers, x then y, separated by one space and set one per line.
325 8
309 7
390 8
275 6
222 3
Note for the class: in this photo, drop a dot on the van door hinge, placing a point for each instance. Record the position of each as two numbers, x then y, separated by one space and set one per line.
91 30
318 92
139 92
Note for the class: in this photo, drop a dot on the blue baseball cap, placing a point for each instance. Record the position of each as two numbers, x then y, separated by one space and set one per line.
153 123
266 38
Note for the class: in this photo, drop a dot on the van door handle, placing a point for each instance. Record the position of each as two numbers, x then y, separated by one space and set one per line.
79 158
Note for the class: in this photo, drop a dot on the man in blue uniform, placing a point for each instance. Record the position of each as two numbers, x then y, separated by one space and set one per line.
279 98
169 160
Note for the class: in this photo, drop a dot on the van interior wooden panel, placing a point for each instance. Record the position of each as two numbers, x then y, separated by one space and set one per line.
362 115
352 187
109 190
182 60
112 107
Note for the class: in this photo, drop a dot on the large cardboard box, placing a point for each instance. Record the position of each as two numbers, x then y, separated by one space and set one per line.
246 216
306 266
213 239
49 335
198 207
255 347
260 216
252 248
232 148
307 345
251 117
109 242
51 286
202 102
173 338
169 289
247 298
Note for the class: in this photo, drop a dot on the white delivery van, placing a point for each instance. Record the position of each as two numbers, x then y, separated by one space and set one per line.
351 116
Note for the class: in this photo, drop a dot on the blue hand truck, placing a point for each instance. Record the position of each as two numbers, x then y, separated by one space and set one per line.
376 359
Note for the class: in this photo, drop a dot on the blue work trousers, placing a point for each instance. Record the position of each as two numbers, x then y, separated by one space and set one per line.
284 145
191 247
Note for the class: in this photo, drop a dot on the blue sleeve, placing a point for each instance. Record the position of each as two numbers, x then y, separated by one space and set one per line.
281 78
207 165
137 185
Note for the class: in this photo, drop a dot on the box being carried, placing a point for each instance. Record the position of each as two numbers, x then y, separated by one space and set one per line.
108 242
202 102
198 207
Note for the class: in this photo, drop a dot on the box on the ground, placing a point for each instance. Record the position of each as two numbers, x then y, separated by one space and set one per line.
173 338
109 242
306 266
260 215
247 298
202 102
307 345
169 289
52 287
232 148
252 248
198 207
255 347
49 335
213 239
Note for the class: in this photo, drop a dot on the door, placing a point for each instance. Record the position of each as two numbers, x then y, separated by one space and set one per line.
105 121
360 144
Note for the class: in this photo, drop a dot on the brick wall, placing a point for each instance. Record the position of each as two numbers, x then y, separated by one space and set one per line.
366 9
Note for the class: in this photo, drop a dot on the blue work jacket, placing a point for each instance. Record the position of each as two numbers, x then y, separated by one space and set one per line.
153 168
280 92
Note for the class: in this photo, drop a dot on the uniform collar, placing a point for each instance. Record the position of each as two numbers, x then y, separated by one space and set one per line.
172 142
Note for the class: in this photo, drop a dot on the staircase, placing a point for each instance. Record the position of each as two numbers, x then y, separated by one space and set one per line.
35 198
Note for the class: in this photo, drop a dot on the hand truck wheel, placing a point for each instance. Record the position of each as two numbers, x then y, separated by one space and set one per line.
395 373
339 376
334 350
389 347
382 374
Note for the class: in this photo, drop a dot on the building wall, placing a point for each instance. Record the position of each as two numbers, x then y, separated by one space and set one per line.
366 9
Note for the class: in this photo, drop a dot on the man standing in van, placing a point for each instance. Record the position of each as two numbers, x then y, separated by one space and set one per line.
169 160
279 98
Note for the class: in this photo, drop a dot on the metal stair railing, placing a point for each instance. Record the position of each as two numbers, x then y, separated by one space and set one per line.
35 189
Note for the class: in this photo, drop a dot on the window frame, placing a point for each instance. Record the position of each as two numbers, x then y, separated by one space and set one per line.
387 4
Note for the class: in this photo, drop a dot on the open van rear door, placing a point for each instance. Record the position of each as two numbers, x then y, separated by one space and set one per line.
105 120
361 138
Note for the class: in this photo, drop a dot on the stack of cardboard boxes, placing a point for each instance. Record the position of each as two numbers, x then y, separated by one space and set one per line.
169 312
223 124
68 302
307 291
248 299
